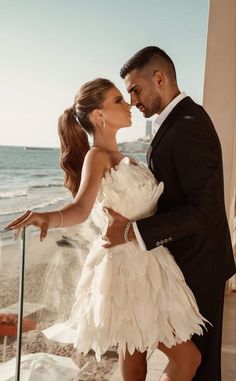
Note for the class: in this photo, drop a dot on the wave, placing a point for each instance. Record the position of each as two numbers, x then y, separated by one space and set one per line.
7 195
24 193
12 212
48 203
39 175
36 207
46 186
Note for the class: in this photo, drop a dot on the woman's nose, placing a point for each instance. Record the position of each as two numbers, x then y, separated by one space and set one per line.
128 105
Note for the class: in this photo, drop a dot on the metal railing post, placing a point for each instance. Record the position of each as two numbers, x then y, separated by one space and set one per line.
20 306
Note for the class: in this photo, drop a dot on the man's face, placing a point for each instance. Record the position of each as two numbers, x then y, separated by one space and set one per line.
143 92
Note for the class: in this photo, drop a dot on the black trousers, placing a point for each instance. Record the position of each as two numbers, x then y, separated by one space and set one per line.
211 304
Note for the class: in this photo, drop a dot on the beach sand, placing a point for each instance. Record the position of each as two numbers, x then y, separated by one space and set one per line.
52 270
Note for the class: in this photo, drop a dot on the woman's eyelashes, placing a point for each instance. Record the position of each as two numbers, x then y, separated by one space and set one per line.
119 100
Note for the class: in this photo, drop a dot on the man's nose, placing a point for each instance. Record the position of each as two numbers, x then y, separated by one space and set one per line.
133 99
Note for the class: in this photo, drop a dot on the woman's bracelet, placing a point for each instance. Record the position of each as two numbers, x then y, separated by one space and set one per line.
61 219
126 232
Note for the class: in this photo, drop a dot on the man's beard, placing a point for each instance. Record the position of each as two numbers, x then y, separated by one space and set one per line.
154 106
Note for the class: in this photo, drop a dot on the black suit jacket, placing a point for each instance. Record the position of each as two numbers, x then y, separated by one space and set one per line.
190 220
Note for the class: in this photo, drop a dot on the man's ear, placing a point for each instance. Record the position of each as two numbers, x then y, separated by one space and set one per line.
159 78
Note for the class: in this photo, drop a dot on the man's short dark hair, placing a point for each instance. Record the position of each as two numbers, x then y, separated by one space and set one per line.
146 56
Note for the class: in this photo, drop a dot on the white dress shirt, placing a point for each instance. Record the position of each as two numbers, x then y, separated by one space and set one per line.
156 125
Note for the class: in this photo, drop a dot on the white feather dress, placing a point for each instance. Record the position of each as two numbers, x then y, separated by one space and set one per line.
128 297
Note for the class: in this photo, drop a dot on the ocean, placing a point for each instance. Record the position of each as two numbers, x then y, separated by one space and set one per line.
29 179
32 179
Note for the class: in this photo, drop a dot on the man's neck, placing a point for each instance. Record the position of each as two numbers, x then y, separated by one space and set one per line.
169 98
167 110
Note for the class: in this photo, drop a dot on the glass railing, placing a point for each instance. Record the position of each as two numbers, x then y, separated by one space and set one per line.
38 282
10 250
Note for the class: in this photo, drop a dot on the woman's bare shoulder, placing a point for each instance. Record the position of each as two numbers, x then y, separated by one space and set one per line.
97 156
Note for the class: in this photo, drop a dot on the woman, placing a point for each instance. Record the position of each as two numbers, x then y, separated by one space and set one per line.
125 296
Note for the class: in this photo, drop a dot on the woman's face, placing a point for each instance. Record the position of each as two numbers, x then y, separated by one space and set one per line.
115 110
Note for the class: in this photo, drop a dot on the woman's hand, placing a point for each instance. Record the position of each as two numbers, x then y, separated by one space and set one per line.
41 220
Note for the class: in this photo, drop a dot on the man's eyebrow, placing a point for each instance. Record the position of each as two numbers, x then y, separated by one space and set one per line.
132 89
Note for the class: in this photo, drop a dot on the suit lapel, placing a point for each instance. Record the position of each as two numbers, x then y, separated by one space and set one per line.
168 122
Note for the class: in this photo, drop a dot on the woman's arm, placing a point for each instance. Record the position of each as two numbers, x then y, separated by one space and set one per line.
95 164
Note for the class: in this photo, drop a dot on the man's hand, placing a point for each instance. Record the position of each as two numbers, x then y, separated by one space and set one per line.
116 229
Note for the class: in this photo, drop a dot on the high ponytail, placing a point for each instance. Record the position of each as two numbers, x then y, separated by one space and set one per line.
73 126
74 146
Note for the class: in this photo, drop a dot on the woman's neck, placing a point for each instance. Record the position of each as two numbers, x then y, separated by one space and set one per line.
107 143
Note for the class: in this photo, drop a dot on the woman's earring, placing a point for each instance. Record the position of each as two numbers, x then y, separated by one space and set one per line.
103 123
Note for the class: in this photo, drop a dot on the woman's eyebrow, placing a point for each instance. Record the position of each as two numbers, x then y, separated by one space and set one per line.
118 97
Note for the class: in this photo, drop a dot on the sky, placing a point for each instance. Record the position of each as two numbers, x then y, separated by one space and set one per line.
49 48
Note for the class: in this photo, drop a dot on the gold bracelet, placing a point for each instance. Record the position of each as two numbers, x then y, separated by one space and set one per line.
61 219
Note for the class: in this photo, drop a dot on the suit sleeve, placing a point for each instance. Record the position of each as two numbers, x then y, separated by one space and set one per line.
196 158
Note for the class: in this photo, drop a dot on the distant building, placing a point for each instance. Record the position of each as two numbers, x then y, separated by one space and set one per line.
149 134
142 144
131 146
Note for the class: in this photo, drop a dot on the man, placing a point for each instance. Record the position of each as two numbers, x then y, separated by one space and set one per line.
190 221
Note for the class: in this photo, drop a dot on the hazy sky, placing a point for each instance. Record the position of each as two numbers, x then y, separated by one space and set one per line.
50 48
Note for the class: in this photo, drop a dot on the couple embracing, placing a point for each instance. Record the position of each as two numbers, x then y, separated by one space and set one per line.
155 277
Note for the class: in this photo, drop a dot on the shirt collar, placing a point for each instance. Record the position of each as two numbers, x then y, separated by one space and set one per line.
167 110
